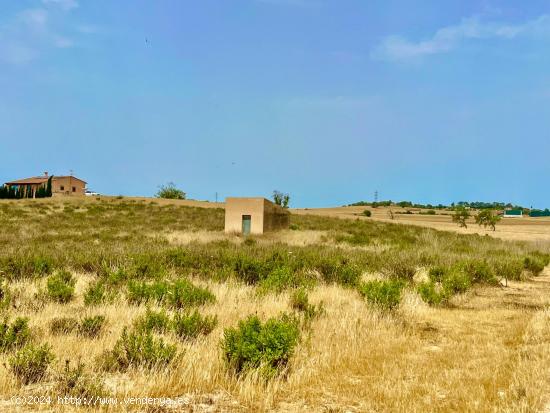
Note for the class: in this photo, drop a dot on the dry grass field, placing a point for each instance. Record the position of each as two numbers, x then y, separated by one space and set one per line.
515 229
397 318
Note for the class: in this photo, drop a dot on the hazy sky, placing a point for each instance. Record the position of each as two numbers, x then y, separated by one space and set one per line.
329 100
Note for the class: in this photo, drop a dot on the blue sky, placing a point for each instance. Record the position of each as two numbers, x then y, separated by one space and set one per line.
329 100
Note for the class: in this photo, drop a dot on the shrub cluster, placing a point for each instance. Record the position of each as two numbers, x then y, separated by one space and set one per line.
89 327
299 301
14 335
30 364
60 286
385 294
138 349
265 346
179 294
186 325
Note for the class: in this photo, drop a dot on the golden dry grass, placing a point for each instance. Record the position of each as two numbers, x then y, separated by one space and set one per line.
485 352
511 229
488 352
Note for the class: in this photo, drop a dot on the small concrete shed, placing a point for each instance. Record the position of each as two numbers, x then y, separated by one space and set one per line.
254 216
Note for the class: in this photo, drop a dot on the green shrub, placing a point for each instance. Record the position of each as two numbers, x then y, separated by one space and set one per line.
169 191
185 294
479 271
189 326
154 321
250 270
140 291
265 346
179 294
299 301
384 294
280 279
456 281
14 335
63 325
430 294
95 294
367 213
91 326
341 273
509 269
60 286
535 265
138 349
30 364
437 273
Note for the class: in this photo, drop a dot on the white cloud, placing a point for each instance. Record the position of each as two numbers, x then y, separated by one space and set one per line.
31 32
448 38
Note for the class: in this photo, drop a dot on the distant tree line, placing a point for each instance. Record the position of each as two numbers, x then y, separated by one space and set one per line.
452 206
26 191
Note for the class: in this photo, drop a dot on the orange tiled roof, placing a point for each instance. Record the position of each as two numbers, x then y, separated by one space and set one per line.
29 181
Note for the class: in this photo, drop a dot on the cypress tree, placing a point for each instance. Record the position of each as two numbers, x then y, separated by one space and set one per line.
49 187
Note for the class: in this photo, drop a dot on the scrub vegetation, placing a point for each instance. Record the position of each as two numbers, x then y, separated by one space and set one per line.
150 298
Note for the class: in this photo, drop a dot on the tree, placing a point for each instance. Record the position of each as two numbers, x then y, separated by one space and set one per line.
49 187
460 216
281 199
169 191
487 218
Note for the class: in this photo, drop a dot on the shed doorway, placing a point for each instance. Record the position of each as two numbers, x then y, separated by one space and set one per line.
247 221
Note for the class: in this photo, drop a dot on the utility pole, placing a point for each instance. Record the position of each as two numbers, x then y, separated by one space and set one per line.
376 196
216 197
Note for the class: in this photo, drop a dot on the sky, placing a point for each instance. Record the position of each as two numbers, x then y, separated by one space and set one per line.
329 100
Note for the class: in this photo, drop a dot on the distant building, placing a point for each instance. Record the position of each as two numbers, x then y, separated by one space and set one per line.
513 213
254 216
61 185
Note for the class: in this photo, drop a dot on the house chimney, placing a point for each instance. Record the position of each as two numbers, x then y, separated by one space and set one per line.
46 174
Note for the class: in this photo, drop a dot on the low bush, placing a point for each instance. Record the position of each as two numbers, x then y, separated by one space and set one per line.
95 294
367 213
437 273
282 278
385 294
91 327
138 349
430 294
63 325
299 301
30 364
535 265
479 271
265 346
14 335
154 321
60 286
509 269
456 281
191 325
341 273
184 294
179 294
